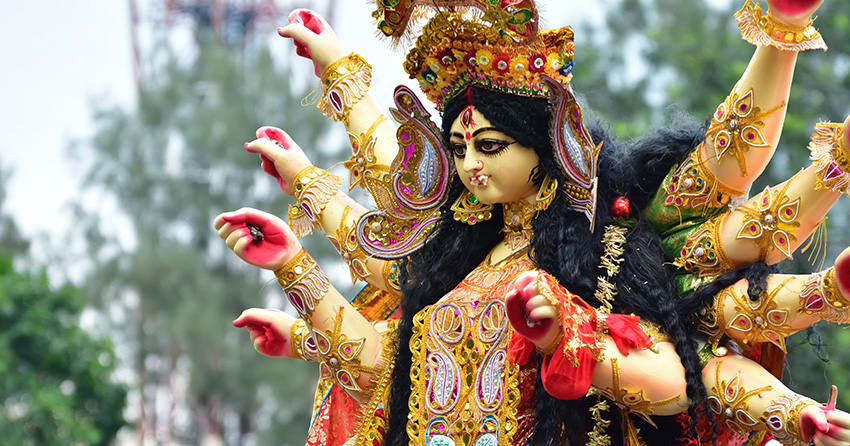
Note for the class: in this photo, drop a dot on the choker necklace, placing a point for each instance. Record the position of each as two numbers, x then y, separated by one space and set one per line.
517 226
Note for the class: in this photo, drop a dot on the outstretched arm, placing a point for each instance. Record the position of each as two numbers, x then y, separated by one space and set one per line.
348 347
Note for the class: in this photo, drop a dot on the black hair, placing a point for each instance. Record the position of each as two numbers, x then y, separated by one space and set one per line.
563 246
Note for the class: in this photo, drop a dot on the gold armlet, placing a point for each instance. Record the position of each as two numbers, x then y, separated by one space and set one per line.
766 30
345 82
345 242
390 273
633 402
729 400
753 321
831 156
303 345
339 356
736 127
782 417
363 163
772 221
693 185
312 188
821 295
703 252
303 282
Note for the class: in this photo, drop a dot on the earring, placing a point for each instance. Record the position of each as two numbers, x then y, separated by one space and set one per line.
469 210
547 192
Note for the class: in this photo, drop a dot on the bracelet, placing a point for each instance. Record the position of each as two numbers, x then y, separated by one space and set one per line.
345 82
303 345
346 244
303 282
782 417
363 163
312 188
766 30
821 295
831 156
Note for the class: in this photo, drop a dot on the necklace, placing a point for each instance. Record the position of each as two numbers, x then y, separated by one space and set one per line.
517 226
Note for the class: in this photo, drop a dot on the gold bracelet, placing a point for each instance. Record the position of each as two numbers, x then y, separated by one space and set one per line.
303 282
693 185
831 156
345 82
782 417
766 30
363 163
303 345
349 249
312 188
821 295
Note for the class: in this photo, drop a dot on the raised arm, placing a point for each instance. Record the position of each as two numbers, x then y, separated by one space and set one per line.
320 204
348 347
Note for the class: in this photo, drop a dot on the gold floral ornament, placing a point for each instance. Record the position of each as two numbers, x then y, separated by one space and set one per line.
391 274
303 282
772 222
468 209
492 44
345 82
339 357
517 223
694 186
633 402
822 296
831 155
303 344
782 418
736 127
766 30
756 321
345 242
363 162
729 400
312 189
703 251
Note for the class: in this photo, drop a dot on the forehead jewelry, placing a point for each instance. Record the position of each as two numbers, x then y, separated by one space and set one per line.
467 122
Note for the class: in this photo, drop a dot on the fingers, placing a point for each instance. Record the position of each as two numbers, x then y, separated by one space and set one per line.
524 279
825 439
275 134
542 313
536 302
235 236
839 421
310 19
299 33
248 216
264 146
239 247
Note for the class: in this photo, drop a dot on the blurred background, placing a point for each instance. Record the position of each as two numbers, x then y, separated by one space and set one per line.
122 132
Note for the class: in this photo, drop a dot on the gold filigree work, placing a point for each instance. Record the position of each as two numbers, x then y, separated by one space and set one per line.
729 400
517 223
772 221
782 418
822 296
345 82
303 344
736 127
344 239
703 251
753 321
363 162
694 186
303 282
633 402
312 189
339 356
830 154
468 209
766 30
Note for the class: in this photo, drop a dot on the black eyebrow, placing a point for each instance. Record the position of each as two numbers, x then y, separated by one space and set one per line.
484 129
457 135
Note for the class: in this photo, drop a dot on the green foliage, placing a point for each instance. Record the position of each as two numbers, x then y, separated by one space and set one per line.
55 378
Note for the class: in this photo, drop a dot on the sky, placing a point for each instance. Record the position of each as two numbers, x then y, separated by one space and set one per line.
61 56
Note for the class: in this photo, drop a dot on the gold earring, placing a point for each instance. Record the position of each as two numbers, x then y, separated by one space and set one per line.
469 210
547 192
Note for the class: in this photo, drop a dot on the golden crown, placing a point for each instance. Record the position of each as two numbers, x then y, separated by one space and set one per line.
494 44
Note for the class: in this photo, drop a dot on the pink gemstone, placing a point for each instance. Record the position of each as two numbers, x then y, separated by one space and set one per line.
678 201
669 200
781 240
743 107
472 219
750 136
753 228
814 302
788 211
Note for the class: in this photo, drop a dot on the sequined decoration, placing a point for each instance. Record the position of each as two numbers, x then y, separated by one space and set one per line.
345 82
765 30
635 403
772 222
736 128
831 156
729 400
339 357
303 282
312 189
822 296
782 418
703 253
363 162
756 321
693 186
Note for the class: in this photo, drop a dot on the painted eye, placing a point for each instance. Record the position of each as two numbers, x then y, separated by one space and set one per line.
459 150
489 147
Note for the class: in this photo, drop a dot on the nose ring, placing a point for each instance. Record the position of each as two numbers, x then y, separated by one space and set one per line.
480 165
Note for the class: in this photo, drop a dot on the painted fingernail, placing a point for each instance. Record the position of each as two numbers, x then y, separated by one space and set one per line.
246 145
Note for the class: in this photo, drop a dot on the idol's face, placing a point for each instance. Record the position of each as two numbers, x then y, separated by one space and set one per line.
491 164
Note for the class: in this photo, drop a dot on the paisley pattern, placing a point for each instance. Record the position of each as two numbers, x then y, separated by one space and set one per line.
464 391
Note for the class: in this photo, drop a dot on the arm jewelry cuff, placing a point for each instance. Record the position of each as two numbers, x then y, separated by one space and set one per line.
345 82
831 156
303 345
312 188
303 282
765 30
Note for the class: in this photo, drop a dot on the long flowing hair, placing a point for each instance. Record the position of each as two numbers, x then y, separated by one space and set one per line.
563 246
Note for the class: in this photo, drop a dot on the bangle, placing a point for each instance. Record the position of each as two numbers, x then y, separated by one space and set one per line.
831 156
363 163
821 295
303 345
782 417
345 82
312 188
766 30
303 282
